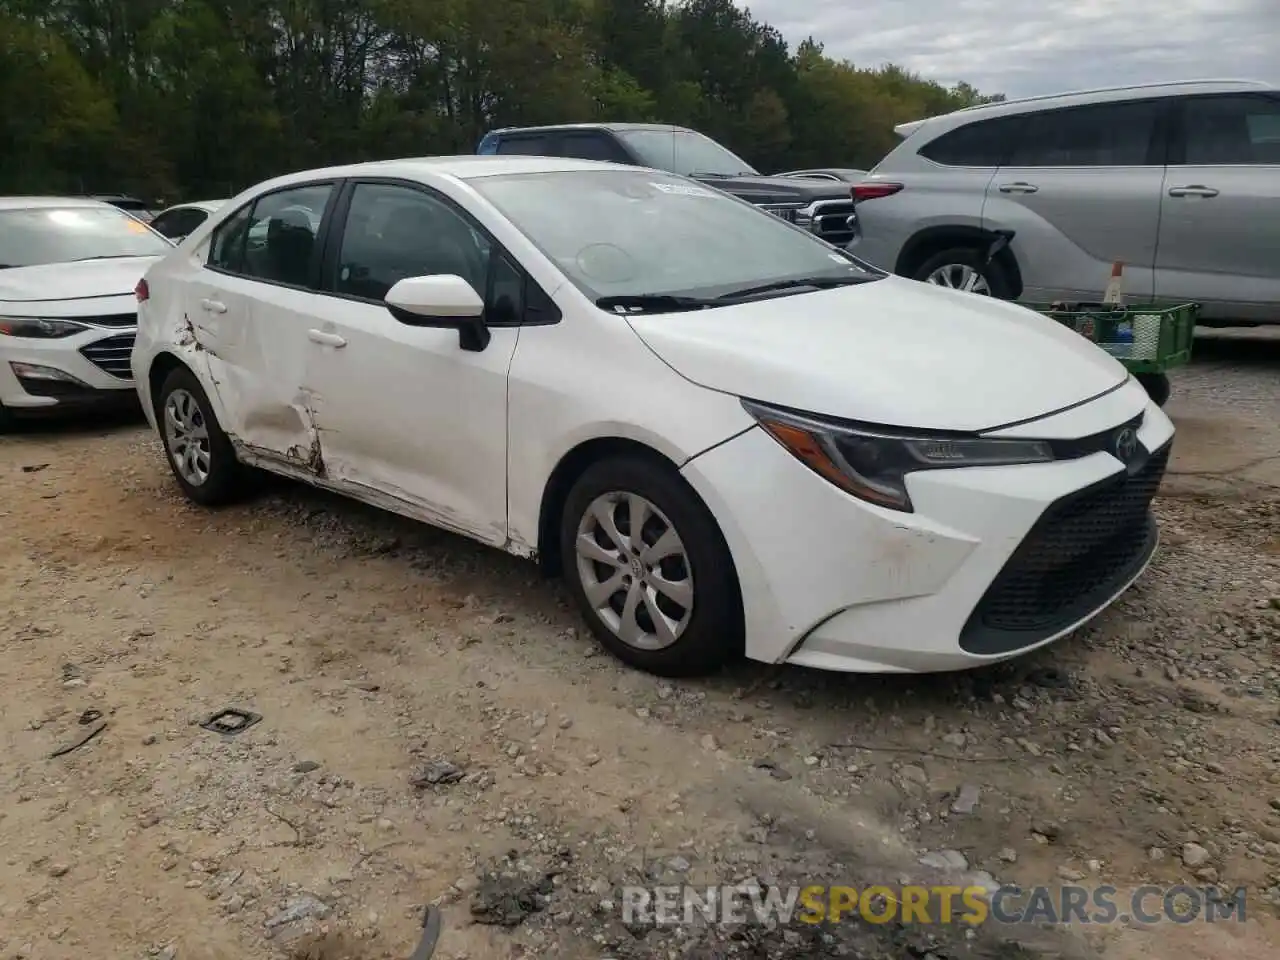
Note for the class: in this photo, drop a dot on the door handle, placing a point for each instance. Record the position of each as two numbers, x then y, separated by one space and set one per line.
213 306
328 339
1019 187
1195 190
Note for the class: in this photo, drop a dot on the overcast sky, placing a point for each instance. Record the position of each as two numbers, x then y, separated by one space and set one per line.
1027 47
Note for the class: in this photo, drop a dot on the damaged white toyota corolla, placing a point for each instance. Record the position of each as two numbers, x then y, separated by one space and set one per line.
726 434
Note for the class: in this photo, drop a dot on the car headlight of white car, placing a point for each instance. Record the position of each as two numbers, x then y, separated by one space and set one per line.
39 328
873 463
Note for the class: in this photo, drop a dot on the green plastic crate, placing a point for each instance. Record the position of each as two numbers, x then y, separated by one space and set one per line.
1146 338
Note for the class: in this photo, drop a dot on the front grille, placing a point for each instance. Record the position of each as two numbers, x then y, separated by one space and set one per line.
111 355
1079 553
111 320
832 221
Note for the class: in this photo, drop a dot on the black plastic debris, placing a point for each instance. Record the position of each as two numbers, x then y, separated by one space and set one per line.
231 721
432 922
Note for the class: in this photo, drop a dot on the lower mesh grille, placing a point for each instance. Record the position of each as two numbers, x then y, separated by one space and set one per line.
1079 553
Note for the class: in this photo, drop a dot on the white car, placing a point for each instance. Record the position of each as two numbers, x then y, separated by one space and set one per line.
178 221
727 434
68 268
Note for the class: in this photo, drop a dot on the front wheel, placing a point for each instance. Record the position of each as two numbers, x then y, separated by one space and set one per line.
199 452
1157 387
963 268
649 568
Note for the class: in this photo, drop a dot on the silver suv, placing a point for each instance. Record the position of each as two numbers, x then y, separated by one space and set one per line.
1035 199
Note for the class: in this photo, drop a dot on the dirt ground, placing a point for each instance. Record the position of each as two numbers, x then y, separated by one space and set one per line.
383 656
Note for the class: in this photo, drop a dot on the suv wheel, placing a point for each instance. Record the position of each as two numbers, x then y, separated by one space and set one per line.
649 568
962 268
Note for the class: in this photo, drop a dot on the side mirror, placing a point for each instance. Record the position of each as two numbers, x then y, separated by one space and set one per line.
441 300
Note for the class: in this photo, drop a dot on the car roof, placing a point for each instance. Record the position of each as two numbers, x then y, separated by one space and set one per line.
615 127
1081 97
463 167
206 205
35 203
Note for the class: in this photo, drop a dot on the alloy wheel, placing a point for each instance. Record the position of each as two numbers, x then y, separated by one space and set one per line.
187 437
634 570
960 276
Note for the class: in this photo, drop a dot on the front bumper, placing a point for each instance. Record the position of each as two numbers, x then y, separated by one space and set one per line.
95 365
831 582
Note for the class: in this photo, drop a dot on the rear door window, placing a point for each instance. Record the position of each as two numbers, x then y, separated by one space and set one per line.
532 145
591 146
1099 135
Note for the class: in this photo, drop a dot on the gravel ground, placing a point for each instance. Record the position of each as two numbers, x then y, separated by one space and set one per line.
436 729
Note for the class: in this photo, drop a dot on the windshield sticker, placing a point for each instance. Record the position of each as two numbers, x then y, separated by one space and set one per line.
682 189
837 258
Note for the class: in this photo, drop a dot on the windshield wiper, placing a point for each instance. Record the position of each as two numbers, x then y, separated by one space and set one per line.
106 256
654 303
817 283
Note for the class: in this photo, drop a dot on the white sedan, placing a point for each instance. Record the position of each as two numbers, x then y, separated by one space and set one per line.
727 435
178 221
68 268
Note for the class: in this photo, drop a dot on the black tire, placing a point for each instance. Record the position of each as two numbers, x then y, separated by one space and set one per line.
1157 387
6 419
713 633
225 481
995 275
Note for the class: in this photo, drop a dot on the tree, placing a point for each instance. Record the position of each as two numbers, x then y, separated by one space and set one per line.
201 98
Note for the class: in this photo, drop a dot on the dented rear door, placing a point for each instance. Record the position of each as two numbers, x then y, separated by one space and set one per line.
253 338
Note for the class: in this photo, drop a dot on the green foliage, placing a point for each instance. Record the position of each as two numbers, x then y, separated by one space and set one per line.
201 98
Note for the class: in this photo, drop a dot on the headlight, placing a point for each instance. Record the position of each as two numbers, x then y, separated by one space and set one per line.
873 463
39 328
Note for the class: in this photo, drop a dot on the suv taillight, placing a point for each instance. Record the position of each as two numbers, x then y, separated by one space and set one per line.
874 190
142 291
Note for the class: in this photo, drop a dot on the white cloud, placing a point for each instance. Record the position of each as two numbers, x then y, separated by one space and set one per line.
1029 47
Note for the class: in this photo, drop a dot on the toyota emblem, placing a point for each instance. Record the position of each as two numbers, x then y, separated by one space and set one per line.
1126 444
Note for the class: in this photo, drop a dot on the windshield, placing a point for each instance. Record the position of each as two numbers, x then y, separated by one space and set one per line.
686 153
632 233
39 235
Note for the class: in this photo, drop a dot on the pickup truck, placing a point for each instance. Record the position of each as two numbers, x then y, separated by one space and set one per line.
823 206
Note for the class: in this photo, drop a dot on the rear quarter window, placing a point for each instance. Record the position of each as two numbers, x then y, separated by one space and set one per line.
982 143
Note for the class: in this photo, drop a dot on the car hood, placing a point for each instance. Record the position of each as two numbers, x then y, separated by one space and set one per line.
73 281
764 189
892 352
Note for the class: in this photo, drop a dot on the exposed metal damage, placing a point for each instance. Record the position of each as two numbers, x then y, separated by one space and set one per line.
312 457
188 337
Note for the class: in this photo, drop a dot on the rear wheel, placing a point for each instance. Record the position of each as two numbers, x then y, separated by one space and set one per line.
1157 386
199 452
649 568
962 268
